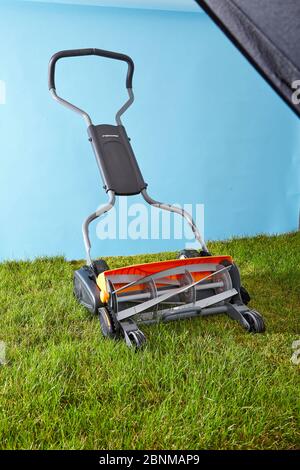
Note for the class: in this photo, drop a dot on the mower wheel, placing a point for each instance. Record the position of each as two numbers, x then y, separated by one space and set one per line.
99 266
260 321
255 321
137 339
107 324
245 295
205 253
183 254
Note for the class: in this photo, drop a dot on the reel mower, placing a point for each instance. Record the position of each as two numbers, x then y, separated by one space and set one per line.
194 285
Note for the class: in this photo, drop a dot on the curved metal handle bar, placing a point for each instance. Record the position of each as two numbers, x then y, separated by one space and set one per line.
85 226
177 210
111 201
87 52
71 106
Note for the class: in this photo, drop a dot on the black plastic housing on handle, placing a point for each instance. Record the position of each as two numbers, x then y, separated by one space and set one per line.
83 52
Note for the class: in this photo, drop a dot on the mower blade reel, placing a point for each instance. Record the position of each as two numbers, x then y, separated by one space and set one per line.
199 305
129 312
169 272
214 299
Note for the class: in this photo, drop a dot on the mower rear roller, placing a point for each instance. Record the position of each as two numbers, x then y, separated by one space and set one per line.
137 339
255 321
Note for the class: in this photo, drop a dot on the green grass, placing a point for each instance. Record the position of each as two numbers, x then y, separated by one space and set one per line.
199 384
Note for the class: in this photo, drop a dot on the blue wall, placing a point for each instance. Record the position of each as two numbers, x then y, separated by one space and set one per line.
205 127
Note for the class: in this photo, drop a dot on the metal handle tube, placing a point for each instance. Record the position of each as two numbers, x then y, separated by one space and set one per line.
182 212
71 106
85 226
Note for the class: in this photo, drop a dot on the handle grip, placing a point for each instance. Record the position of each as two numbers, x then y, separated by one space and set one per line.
83 52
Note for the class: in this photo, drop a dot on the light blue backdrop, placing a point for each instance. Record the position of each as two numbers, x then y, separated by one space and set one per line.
205 127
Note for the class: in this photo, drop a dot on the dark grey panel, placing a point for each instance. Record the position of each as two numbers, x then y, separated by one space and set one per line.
267 32
116 160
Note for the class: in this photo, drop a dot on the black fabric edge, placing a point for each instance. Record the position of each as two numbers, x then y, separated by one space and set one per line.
218 21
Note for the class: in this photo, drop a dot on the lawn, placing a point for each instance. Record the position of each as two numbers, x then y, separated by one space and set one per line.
198 384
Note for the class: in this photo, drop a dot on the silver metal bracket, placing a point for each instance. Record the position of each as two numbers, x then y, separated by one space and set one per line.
235 311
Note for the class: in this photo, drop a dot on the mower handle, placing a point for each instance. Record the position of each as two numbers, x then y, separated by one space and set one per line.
84 52
100 53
